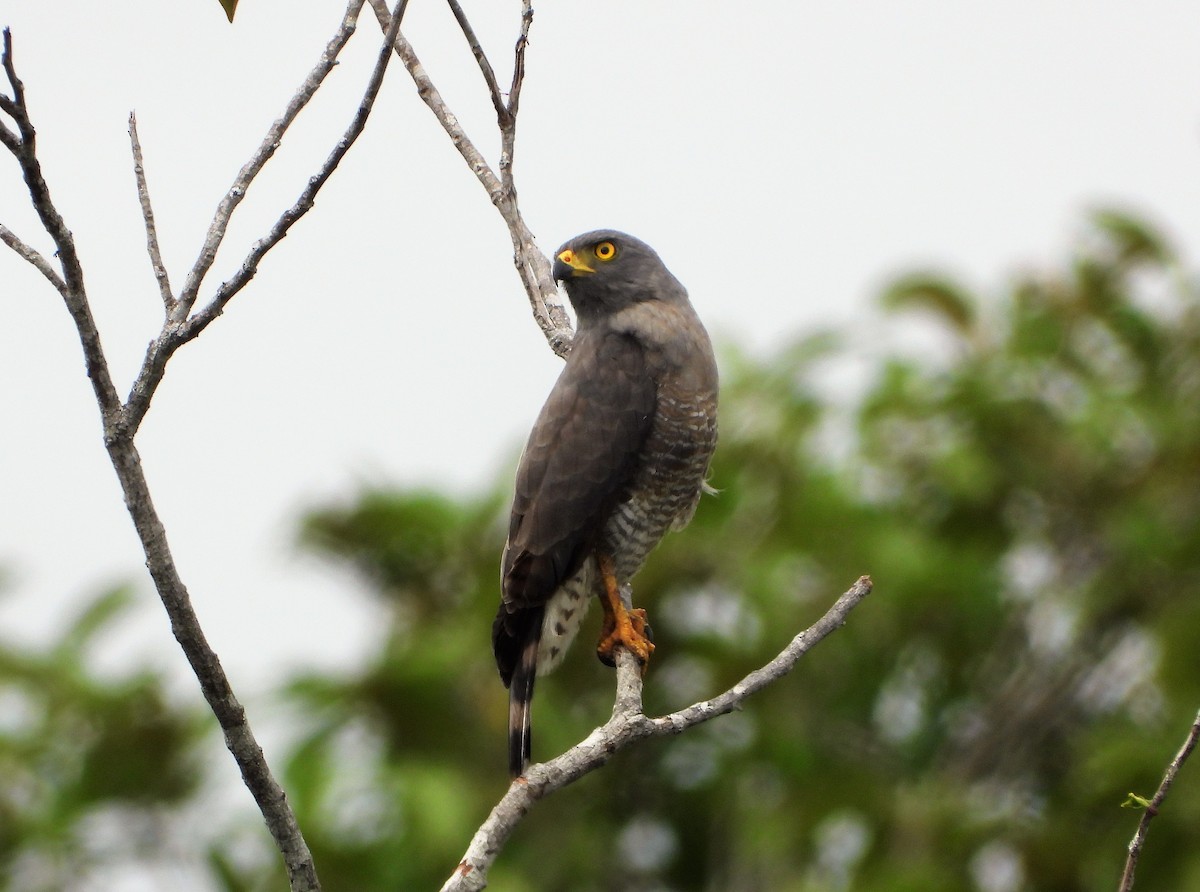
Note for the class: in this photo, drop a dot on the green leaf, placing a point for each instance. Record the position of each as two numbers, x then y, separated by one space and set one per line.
229 6
1133 240
1133 800
945 299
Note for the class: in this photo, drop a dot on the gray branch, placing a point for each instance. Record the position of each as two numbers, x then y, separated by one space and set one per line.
33 257
485 66
264 153
118 440
143 191
23 146
180 324
121 420
532 265
1139 837
627 726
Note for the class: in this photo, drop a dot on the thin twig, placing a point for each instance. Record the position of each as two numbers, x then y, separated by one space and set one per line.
627 726
508 122
71 285
431 97
178 331
307 198
514 92
8 139
143 191
40 263
15 104
481 57
1152 809
532 265
251 169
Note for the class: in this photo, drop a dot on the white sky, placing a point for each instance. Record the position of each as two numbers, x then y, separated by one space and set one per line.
784 158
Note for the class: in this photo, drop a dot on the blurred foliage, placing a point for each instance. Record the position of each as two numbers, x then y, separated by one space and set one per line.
87 764
1027 499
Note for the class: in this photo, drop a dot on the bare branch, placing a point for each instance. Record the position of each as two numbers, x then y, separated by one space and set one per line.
214 683
251 169
481 57
508 124
627 726
143 191
118 440
121 422
23 147
14 105
40 263
178 331
1139 837
532 265
431 97
307 198
514 92
8 139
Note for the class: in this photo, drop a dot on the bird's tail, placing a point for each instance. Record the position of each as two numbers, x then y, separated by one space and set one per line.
520 698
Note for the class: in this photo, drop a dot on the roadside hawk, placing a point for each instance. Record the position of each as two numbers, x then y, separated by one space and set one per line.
618 455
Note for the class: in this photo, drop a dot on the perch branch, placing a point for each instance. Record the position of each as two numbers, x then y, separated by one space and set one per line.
532 265
1139 837
627 726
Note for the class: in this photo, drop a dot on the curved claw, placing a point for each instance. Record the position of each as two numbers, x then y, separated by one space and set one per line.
622 626
629 629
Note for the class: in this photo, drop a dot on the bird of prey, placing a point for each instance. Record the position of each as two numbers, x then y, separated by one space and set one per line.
618 455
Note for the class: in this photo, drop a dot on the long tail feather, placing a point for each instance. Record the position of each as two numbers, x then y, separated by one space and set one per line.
520 701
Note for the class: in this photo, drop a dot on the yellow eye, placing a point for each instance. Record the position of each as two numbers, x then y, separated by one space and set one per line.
606 251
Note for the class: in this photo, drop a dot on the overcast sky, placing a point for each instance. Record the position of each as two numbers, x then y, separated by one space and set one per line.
784 158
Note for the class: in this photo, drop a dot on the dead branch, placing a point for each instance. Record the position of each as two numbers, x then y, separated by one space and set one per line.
121 419
143 191
532 265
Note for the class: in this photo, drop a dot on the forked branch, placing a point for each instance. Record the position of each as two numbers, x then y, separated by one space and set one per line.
181 323
532 265
121 419
627 726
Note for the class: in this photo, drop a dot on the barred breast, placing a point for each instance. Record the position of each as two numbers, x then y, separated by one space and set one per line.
663 495
669 481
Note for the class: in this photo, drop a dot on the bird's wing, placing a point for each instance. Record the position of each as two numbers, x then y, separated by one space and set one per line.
578 463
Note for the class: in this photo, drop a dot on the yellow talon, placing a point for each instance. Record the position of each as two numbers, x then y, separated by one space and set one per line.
621 626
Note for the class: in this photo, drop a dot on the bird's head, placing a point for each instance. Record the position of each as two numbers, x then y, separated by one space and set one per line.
605 271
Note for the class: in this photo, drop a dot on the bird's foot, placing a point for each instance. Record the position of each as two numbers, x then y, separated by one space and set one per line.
629 629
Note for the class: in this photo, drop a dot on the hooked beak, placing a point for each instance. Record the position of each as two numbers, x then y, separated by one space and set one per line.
568 264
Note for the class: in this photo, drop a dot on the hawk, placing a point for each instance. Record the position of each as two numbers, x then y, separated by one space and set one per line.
618 455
